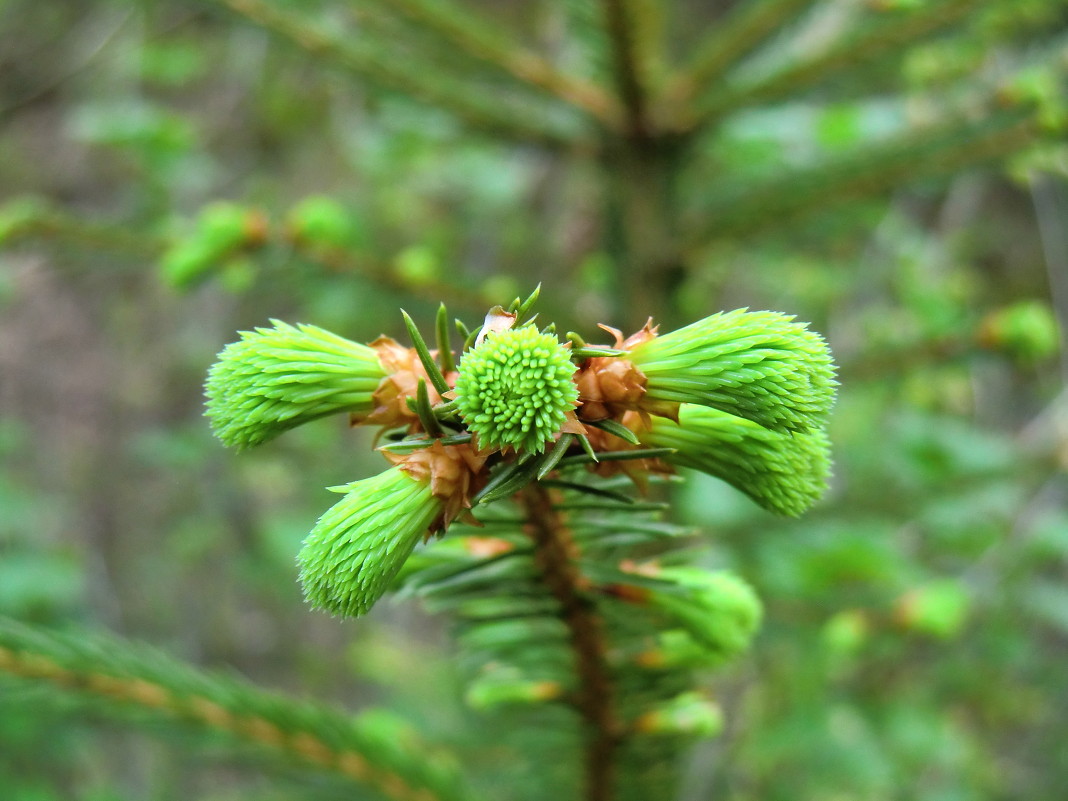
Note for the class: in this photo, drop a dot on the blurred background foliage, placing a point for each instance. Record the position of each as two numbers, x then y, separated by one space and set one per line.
894 171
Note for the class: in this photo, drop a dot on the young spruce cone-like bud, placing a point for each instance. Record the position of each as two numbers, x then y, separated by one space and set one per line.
758 365
515 389
349 559
278 378
784 473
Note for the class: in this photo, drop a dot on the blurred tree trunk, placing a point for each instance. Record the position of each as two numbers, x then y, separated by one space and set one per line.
643 228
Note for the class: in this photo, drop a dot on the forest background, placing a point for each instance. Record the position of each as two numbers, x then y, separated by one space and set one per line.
895 172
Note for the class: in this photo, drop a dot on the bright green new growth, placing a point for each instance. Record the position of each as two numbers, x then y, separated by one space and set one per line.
689 713
515 389
275 379
758 365
784 473
351 556
718 610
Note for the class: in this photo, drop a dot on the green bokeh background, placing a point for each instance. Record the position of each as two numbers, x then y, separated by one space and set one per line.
916 621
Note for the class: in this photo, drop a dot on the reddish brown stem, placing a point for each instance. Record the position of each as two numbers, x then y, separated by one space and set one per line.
555 553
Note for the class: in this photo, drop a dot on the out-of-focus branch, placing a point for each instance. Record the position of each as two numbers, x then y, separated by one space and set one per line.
867 171
112 672
1048 197
431 289
746 27
31 220
854 49
488 42
499 116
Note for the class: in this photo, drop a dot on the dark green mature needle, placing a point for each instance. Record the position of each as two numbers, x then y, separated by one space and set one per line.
432 370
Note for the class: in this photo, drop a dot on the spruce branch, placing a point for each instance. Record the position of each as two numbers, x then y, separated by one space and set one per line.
95 667
588 38
556 554
746 27
27 218
491 44
426 82
852 50
538 589
340 261
865 172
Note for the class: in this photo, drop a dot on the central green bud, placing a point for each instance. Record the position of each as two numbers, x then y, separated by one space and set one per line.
515 389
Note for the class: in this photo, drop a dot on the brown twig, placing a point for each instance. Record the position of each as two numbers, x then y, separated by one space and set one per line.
555 554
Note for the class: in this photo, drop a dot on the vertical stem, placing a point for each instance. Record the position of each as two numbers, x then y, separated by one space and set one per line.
555 554
642 234
1049 211
622 35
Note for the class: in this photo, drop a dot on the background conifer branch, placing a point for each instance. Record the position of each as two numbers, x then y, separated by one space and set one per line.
341 262
853 49
745 27
495 115
867 171
110 670
492 44
555 554
23 219
585 24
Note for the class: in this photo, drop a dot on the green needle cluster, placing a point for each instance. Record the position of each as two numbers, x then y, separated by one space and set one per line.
275 379
349 559
688 714
515 389
718 610
784 473
758 365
